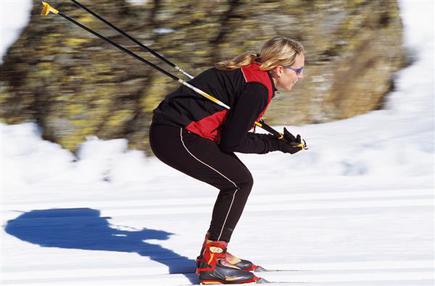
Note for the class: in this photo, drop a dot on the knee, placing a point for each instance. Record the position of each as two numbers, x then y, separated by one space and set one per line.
246 182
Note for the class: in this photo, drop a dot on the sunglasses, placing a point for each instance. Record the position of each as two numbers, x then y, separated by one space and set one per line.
298 71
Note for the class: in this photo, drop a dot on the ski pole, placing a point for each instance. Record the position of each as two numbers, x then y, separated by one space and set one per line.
47 9
133 39
269 129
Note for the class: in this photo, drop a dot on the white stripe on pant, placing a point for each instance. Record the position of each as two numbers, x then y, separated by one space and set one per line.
235 191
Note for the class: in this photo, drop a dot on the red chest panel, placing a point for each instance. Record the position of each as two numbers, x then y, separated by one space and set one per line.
252 73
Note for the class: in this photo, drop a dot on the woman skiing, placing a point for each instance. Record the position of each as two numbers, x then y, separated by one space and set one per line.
198 137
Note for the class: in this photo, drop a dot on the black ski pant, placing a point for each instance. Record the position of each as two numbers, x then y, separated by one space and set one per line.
203 160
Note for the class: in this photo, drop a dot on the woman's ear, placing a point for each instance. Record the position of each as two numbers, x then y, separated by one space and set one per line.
277 72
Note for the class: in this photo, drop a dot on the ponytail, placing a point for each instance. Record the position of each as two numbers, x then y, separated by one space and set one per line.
237 62
276 51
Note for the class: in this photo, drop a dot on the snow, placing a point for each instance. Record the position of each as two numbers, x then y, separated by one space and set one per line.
355 209
11 24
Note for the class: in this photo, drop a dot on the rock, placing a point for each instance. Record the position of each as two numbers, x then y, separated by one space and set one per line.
75 85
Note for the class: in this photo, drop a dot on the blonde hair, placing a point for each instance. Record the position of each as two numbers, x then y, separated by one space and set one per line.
276 51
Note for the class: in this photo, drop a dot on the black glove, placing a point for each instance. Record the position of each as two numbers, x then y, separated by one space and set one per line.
288 143
294 141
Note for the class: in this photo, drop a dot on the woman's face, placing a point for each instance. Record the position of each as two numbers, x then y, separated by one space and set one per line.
285 77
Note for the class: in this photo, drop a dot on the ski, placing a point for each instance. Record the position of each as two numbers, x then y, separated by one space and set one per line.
265 281
280 270
261 271
259 281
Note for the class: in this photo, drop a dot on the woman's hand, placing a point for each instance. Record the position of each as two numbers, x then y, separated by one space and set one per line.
291 144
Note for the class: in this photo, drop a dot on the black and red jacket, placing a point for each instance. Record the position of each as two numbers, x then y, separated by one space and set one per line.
247 90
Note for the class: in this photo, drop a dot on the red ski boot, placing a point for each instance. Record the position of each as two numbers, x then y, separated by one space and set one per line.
241 264
213 269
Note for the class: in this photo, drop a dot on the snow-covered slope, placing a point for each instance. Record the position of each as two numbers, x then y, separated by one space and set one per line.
356 209
14 15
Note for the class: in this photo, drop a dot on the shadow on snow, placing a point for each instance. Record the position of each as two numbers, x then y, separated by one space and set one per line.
84 228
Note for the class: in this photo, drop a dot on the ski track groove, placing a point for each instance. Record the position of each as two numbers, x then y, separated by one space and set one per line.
260 197
98 277
417 270
263 203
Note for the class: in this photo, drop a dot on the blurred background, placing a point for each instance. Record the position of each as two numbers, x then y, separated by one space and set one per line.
357 208
73 84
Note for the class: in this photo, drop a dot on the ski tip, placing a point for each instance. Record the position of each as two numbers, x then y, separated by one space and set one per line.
260 269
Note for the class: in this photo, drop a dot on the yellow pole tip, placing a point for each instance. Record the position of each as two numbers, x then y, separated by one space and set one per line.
46 9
